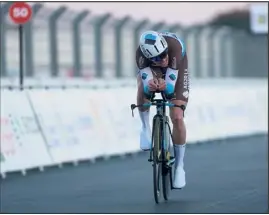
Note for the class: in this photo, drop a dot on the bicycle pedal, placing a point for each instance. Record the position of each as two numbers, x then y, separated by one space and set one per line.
150 160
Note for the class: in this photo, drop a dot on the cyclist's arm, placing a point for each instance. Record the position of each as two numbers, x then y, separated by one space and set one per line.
146 75
175 57
145 72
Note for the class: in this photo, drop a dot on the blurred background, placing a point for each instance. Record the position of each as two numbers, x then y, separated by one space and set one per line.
98 40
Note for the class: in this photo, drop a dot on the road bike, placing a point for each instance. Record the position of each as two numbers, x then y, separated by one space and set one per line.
162 154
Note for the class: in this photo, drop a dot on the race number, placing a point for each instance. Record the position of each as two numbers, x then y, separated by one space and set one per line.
20 12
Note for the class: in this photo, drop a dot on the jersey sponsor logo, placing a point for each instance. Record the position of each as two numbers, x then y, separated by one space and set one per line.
185 94
144 76
172 77
186 80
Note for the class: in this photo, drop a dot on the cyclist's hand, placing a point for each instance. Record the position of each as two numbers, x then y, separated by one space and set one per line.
153 85
162 84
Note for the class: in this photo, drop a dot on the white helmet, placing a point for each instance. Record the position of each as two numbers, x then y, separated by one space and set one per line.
152 44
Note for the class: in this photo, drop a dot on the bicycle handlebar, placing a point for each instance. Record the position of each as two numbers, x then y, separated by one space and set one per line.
157 102
169 104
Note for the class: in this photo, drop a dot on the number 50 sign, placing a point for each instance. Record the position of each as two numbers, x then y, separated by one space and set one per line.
20 12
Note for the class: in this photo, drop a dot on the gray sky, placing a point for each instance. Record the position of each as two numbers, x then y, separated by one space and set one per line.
184 13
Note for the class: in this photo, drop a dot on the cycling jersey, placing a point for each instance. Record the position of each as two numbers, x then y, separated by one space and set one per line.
175 74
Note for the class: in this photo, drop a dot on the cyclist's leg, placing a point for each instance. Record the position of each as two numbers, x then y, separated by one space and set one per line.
177 118
140 99
145 134
182 94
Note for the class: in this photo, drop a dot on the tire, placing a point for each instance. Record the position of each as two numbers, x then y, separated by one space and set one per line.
166 171
156 165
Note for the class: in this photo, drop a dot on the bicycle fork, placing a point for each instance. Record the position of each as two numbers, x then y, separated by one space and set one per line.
166 133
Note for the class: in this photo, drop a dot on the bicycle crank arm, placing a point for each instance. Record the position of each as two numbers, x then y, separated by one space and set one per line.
171 162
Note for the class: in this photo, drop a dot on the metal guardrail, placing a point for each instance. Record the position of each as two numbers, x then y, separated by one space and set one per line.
60 41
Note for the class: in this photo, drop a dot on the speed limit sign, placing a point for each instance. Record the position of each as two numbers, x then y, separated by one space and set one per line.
20 12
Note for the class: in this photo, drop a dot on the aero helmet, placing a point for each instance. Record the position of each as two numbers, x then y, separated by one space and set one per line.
152 44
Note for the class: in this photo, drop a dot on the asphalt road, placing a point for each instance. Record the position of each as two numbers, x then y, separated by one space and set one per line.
226 177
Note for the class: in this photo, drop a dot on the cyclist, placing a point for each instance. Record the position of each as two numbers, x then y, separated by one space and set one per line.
163 65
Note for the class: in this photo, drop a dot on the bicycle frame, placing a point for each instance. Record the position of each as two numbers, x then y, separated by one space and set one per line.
162 155
161 105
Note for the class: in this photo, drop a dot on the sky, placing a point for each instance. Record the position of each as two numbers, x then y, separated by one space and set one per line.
172 12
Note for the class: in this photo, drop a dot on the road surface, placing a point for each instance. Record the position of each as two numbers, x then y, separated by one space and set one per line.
222 177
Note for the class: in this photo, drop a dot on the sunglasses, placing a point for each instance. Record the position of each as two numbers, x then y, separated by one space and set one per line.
160 57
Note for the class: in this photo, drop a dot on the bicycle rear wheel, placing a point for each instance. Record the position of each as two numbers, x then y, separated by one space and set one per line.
156 156
166 169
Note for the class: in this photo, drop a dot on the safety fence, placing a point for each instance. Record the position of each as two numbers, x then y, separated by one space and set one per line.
62 42
46 126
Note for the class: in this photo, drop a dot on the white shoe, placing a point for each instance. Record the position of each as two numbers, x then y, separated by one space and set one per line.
179 180
145 139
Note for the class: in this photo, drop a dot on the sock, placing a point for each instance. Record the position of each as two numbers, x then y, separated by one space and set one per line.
144 116
179 153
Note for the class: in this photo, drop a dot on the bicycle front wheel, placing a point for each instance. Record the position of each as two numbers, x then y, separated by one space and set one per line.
156 137
166 169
